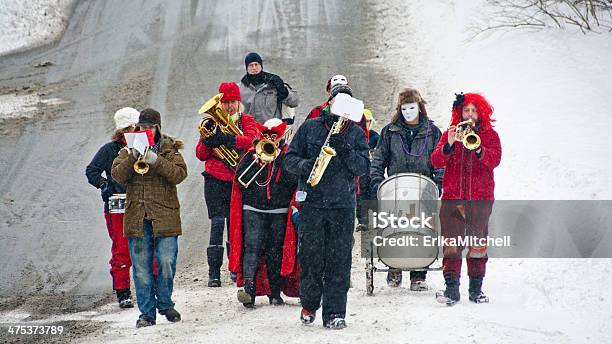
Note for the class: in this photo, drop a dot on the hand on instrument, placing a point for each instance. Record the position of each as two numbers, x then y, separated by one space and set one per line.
105 190
151 158
229 140
452 134
339 143
135 153
215 140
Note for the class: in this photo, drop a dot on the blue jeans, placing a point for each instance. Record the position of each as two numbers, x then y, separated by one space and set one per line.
153 294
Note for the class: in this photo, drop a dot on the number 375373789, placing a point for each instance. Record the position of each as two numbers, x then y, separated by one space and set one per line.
35 329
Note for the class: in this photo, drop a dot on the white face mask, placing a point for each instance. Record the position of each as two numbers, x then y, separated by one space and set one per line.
410 111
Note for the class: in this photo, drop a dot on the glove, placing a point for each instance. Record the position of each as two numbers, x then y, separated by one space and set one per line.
374 191
105 190
151 158
229 140
135 153
338 142
279 85
214 141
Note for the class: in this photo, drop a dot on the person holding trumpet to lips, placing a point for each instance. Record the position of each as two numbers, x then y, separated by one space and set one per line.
152 221
469 151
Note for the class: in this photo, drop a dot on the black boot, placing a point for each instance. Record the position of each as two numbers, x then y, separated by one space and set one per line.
215 260
246 295
233 275
476 294
394 278
451 295
124 297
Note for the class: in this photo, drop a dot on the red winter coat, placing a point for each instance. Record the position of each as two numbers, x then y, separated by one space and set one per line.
213 165
466 176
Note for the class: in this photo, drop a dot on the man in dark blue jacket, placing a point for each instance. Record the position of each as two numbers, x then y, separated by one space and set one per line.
327 214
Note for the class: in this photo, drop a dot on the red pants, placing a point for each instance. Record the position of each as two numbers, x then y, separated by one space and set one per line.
120 254
460 218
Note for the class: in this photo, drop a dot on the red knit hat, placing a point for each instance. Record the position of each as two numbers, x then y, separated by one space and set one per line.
230 91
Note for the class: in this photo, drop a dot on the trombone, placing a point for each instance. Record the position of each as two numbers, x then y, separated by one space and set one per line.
266 151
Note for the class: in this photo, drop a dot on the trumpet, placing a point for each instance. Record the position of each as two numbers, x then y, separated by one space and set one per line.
215 118
266 151
140 166
327 152
467 136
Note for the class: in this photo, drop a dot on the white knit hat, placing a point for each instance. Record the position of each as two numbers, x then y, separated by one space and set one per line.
126 117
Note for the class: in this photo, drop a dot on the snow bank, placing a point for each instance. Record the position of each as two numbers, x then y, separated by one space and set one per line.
28 24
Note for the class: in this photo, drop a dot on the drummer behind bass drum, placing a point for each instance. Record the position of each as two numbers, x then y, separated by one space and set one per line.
405 146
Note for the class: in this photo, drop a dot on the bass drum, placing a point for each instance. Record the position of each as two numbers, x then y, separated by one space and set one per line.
409 195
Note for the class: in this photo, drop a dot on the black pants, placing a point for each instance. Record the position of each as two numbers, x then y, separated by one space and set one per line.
324 252
217 194
264 234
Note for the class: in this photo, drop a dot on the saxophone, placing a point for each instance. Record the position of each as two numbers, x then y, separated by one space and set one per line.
325 155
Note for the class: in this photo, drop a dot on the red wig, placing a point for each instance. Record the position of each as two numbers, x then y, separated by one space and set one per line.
485 110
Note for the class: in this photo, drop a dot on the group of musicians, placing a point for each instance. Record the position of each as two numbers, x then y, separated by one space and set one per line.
288 201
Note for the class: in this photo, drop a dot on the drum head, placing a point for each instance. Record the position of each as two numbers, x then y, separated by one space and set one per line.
409 194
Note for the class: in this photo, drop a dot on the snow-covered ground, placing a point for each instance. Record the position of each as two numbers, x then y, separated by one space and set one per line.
549 89
28 24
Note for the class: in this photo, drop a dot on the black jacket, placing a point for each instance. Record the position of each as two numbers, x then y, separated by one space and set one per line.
337 186
282 184
396 154
103 162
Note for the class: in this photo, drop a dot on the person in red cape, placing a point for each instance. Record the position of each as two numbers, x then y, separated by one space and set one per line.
263 238
218 176
467 193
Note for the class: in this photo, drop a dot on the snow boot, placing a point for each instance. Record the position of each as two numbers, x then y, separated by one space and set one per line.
124 297
276 300
246 295
335 322
394 278
171 314
475 290
143 321
215 260
307 317
418 285
451 295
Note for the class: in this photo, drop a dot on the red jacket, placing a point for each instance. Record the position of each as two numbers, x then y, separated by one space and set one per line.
466 176
213 165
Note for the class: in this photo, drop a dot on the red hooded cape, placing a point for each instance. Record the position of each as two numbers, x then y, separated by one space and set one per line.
289 269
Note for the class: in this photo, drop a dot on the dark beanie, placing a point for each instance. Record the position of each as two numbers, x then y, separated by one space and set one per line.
150 117
340 88
252 57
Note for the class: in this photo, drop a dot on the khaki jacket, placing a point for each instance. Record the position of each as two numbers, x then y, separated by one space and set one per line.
153 194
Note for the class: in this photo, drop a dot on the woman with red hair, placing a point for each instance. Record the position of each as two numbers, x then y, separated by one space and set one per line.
468 193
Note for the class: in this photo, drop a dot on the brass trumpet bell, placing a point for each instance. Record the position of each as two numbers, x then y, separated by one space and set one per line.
467 136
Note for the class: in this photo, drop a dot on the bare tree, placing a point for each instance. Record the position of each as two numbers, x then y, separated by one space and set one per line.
586 15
